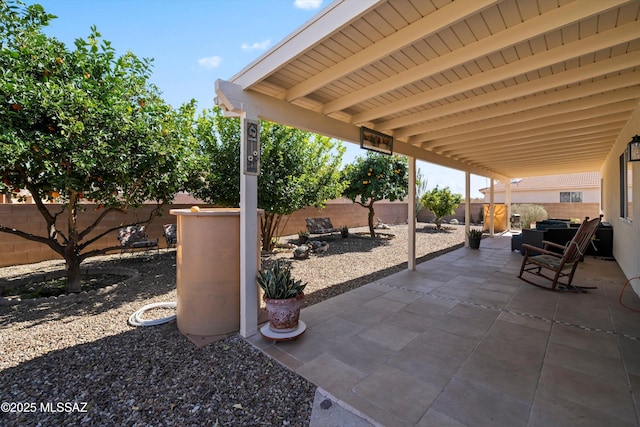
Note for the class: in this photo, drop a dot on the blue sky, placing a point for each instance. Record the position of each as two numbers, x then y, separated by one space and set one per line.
195 42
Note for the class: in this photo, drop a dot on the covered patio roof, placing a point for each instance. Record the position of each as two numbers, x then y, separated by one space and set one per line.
501 89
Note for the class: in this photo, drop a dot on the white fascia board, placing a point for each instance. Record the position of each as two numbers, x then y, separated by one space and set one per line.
232 98
326 22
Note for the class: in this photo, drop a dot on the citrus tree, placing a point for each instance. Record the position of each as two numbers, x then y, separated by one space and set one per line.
421 188
441 202
376 177
82 125
297 169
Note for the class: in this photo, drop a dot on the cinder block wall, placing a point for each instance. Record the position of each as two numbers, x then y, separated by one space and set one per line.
555 210
425 215
344 212
25 217
16 250
572 210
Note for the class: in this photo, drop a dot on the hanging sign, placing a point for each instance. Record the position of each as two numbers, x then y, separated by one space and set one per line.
252 147
376 141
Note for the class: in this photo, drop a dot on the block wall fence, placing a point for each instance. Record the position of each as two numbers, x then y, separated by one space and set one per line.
15 250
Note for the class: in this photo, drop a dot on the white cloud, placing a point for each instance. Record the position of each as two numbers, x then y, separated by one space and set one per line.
210 62
307 4
257 45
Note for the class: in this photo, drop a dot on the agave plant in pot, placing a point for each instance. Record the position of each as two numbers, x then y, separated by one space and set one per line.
475 235
283 297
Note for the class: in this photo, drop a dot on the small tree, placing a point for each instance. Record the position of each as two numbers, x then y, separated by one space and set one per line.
376 177
80 126
421 189
297 169
441 203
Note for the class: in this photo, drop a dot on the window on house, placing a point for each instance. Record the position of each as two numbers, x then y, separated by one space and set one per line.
571 197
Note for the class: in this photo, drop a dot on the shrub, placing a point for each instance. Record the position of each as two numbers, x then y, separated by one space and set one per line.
529 213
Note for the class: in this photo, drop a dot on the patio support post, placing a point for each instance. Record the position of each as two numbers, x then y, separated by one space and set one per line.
467 207
248 241
411 215
507 203
492 206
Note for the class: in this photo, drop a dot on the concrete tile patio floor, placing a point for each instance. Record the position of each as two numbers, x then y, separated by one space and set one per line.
463 341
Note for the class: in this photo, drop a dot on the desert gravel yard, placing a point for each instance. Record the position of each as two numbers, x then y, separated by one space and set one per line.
76 361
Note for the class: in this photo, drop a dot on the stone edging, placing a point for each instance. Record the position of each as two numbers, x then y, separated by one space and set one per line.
4 301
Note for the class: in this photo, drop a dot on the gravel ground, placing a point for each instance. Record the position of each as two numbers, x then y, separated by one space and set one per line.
77 361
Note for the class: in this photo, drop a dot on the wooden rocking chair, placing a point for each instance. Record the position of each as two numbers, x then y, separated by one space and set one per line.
561 265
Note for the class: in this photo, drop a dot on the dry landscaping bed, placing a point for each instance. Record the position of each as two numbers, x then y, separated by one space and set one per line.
81 350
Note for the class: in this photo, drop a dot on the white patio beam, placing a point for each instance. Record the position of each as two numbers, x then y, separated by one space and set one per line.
547 22
467 207
492 207
336 15
557 55
510 114
411 216
424 27
507 202
537 125
232 97
542 134
570 141
554 81
248 239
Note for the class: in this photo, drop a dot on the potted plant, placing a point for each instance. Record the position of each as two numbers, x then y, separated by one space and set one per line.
303 236
283 297
344 231
475 235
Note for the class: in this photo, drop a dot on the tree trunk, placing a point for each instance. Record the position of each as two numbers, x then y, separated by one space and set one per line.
372 214
71 256
269 226
72 267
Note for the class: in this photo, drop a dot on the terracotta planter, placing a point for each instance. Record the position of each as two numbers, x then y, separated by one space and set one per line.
284 314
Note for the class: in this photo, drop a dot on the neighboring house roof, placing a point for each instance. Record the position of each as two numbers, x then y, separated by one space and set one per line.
555 182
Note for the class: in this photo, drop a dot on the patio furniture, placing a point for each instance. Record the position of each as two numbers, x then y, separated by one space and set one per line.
559 236
169 231
516 242
559 265
320 226
135 237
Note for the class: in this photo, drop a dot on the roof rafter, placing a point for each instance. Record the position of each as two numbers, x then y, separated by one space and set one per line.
578 127
557 80
550 57
551 20
430 24
337 14
581 97
542 147
546 121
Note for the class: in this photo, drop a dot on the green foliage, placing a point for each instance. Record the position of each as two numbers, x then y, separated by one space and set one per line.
475 233
277 283
376 177
83 125
297 168
529 213
421 189
441 203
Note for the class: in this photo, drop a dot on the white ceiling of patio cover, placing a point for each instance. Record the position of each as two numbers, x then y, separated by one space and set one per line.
512 88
